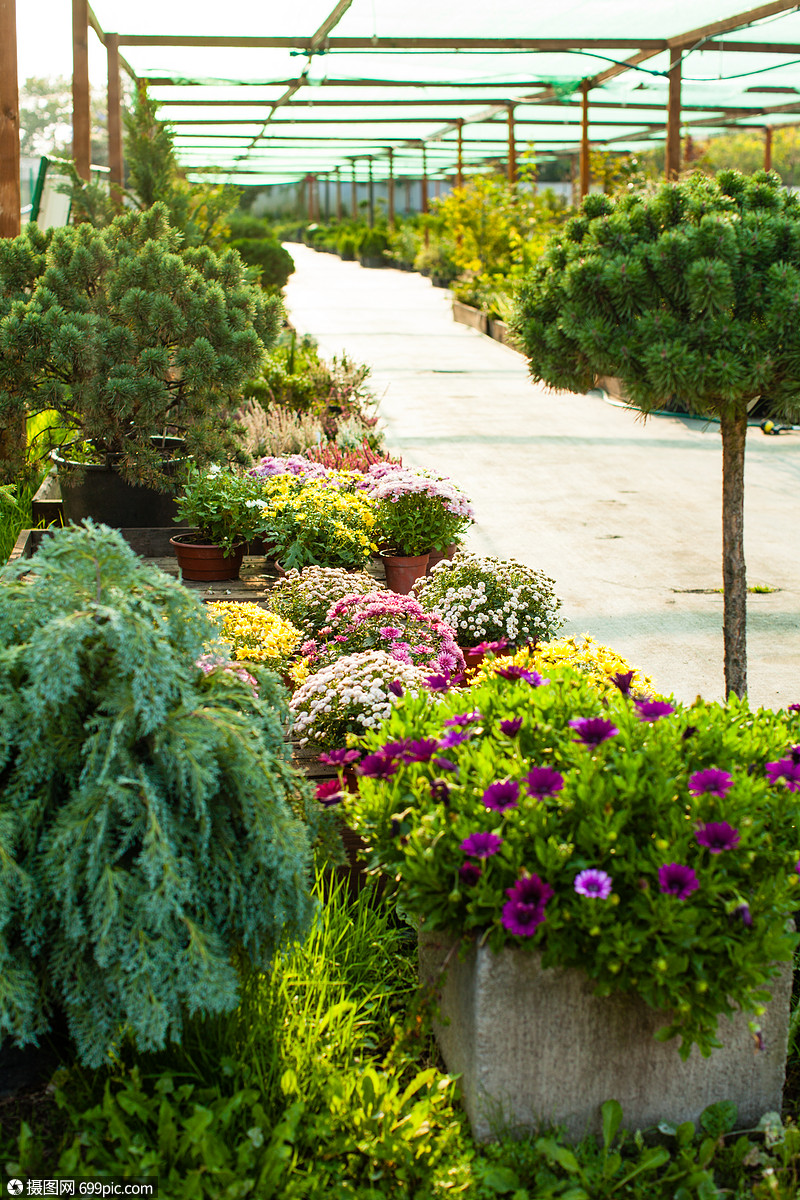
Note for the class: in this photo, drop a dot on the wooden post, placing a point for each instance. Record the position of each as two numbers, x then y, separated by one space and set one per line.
512 147
115 161
391 189
310 198
327 196
371 192
584 155
460 166
353 193
81 118
10 200
338 193
424 180
768 148
672 162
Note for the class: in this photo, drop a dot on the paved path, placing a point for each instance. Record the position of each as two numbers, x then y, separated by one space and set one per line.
624 515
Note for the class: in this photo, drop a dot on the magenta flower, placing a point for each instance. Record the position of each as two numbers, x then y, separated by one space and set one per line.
440 792
502 795
489 647
786 769
422 750
593 730
396 688
793 708
742 911
623 681
337 758
513 672
390 631
454 738
330 792
523 912
675 879
512 726
470 718
377 766
711 782
445 764
596 885
438 683
394 749
543 781
481 845
469 873
717 836
652 710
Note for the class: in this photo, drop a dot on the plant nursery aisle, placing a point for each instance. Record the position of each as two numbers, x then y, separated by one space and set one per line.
624 515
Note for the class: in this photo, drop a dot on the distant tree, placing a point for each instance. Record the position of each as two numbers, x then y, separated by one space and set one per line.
45 105
693 290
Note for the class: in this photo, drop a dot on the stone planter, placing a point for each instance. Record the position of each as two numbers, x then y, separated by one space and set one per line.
465 314
535 1046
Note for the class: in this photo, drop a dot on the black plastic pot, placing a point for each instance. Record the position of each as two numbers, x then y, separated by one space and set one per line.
103 494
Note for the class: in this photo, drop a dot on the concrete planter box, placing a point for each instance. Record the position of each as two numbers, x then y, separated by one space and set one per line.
535 1046
501 333
465 314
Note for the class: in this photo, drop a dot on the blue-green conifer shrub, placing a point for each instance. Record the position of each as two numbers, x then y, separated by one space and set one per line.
146 839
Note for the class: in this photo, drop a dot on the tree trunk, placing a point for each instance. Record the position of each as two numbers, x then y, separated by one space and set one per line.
734 576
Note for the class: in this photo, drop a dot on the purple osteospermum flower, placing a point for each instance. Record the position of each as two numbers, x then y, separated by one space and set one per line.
438 683
440 792
793 708
531 677
336 758
596 885
543 781
454 738
523 912
711 782
742 911
623 681
330 792
677 880
651 710
512 726
396 688
593 730
469 874
377 766
717 836
445 764
786 769
394 749
470 718
502 795
422 750
481 845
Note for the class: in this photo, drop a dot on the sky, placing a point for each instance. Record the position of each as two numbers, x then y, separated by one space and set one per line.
44 41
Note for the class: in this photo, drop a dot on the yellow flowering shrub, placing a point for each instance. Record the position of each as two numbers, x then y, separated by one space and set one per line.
581 652
314 522
256 635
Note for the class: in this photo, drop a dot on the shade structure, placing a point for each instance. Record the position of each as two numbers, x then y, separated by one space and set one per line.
278 94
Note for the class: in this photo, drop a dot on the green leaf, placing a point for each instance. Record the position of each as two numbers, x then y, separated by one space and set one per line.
612 1118
499 1179
719 1118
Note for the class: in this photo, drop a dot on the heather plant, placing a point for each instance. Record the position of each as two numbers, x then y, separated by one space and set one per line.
362 458
652 845
305 597
349 696
384 620
416 510
143 790
690 291
491 600
254 634
275 430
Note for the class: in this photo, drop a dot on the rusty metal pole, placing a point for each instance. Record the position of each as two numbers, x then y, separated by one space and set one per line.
391 190
115 160
584 154
768 148
81 117
460 166
672 162
10 200
512 147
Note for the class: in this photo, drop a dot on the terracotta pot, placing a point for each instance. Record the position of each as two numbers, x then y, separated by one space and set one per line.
473 658
203 561
437 556
402 571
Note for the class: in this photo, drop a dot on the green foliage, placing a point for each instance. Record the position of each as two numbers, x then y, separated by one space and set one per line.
689 291
273 263
373 246
310 522
123 335
626 808
145 834
225 505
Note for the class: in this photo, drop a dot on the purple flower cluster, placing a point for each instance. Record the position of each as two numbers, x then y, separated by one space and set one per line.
675 879
787 769
543 782
387 621
593 730
653 710
292 464
711 782
390 481
502 795
717 836
515 672
523 912
481 845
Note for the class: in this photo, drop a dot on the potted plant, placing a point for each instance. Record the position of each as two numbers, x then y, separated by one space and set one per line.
127 339
147 839
384 620
318 521
416 512
228 509
490 601
618 865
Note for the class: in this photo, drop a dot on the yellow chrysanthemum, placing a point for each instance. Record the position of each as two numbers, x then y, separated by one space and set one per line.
582 653
256 635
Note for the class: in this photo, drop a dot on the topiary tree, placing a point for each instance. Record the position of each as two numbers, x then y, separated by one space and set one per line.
694 291
146 841
123 334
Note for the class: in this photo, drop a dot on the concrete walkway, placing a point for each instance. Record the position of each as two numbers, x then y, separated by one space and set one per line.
624 515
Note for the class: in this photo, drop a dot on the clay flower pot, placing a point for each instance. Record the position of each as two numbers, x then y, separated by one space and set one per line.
437 556
402 571
204 561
